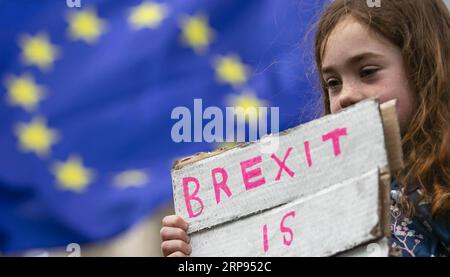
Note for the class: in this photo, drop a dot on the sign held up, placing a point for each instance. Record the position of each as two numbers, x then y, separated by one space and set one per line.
322 191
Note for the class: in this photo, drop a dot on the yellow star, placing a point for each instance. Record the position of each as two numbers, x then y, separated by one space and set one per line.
147 15
230 70
36 136
248 101
196 33
38 51
85 25
24 92
131 178
72 175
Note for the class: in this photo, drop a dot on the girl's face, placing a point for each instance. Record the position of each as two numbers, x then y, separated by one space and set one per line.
358 64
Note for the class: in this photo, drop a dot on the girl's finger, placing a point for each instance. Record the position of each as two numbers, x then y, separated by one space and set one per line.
175 221
171 246
173 233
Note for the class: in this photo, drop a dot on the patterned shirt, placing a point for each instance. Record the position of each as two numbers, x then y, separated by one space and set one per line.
422 235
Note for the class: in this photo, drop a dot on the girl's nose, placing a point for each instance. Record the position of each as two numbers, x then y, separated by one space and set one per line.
350 95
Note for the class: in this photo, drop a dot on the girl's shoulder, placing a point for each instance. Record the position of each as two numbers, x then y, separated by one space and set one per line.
421 235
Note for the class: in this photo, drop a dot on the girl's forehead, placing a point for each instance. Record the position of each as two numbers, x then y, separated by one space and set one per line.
350 38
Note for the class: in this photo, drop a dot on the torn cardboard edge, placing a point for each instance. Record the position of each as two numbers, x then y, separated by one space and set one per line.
392 135
394 151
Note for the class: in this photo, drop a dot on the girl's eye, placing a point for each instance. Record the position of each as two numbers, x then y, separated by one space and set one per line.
368 71
332 83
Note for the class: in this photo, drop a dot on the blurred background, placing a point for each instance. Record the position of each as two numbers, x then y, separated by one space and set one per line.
86 96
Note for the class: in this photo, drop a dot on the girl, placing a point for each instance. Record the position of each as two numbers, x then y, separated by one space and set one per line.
399 50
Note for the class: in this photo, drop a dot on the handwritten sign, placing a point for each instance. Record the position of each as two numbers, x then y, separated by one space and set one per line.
323 190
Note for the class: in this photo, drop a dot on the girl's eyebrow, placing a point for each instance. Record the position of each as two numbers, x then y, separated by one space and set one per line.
352 60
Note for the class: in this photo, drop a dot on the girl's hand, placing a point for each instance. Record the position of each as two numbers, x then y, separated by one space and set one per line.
175 240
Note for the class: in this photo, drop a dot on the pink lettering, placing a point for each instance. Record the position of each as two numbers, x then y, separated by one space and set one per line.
222 184
265 239
247 175
334 135
189 197
284 229
308 153
282 164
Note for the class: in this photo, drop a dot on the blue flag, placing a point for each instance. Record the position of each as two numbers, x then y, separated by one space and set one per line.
87 95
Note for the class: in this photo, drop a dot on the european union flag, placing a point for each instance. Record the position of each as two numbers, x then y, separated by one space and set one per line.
86 97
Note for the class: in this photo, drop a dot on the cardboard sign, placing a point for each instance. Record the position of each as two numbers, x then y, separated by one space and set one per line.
322 190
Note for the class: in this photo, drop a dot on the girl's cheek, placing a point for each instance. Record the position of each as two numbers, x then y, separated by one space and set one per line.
334 107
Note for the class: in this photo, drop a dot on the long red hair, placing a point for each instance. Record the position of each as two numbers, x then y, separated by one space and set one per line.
421 29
